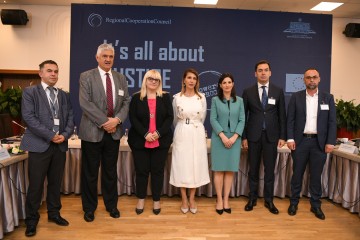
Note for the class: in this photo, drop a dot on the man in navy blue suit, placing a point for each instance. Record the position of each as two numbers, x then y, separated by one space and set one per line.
265 130
48 115
311 129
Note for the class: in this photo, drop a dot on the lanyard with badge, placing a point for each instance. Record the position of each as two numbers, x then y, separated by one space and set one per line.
53 103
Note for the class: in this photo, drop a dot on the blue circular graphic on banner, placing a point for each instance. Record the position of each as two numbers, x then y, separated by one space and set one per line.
94 20
208 85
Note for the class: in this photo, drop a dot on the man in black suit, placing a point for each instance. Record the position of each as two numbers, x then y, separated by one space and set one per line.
311 128
265 130
48 115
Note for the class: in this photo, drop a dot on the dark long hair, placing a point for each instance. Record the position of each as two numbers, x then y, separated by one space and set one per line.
220 92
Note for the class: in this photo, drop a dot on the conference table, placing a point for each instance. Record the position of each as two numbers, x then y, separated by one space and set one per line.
340 180
126 174
13 185
344 181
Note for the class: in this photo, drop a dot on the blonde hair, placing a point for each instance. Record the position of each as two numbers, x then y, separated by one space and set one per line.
197 85
152 74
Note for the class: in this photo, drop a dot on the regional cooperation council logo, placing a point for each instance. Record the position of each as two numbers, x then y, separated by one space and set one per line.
94 20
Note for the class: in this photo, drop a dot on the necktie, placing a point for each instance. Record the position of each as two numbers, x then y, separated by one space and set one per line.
264 99
109 96
54 107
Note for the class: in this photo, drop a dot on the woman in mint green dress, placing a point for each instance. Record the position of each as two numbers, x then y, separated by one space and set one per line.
227 119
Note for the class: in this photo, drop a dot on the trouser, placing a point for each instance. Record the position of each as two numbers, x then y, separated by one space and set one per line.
149 161
268 152
308 151
48 164
105 152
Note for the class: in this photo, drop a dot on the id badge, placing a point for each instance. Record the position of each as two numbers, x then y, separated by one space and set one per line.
324 106
271 101
56 122
121 92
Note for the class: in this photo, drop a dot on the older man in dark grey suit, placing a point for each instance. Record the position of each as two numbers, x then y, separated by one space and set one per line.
311 128
48 115
104 100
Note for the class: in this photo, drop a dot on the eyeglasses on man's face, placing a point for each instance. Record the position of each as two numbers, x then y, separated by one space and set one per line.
153 80
311 77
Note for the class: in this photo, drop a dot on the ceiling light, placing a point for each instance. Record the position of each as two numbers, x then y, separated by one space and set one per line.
209 2
326 6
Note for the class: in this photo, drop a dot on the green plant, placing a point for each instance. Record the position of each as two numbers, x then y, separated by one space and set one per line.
10 101
347 115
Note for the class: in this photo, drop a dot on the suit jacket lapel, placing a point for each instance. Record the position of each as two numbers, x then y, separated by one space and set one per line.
158 99
44 97
117 87
146 107
61 116
320 101
270 94
225 106
98 84
59 98
303 100
256 94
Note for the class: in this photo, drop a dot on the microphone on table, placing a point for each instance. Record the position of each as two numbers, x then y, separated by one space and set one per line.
19 124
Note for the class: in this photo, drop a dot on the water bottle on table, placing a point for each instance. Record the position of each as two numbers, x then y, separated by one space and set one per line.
74 136
126 136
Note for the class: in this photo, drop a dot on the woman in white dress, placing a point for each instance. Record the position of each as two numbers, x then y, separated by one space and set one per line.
189 168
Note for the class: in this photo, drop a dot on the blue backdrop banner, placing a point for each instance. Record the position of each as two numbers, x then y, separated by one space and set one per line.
212 41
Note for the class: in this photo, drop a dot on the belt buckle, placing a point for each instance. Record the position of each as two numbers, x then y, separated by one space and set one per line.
309 135
187 121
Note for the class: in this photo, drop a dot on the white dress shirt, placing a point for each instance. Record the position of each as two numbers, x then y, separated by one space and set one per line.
311 113
103 79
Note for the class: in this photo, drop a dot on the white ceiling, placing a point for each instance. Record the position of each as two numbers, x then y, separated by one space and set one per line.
350 8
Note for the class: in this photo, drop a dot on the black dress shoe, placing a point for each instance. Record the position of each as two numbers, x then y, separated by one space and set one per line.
139 211
271 207
89 216
156 211
30 230
318 213
227 210
219 211
114 213
250 205
292 209
59 220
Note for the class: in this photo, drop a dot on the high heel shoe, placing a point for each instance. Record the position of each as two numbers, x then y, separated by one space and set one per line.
184 210
219 211
140 206
227 210
156 211
156 207
193 210
139 211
